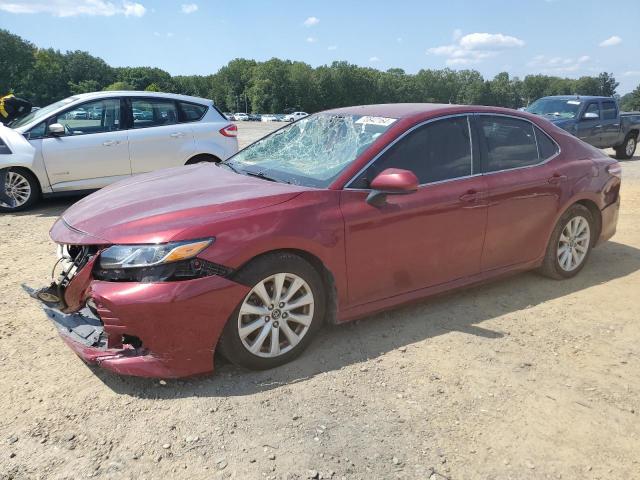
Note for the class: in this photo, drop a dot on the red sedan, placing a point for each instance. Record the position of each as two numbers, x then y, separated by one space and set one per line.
337 216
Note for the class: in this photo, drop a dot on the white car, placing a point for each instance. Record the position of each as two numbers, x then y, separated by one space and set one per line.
60 149
295 116
241 117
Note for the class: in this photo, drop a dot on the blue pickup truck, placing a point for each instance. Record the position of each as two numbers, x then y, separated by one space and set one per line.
595 120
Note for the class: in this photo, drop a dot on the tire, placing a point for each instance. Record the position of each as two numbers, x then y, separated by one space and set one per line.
26 183
261 322
202 158
627 150
555 263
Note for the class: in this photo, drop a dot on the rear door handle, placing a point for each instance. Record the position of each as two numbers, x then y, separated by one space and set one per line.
556 178
177 135
110 143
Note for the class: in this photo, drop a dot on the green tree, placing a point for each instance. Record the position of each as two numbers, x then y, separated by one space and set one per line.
17 60
117 86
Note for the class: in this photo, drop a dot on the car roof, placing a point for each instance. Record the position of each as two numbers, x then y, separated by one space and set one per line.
418 110
135 93
579 97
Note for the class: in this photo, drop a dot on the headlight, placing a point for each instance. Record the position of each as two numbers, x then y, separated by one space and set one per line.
137 256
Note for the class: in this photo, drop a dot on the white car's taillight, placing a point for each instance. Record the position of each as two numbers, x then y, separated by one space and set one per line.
229 131
615 169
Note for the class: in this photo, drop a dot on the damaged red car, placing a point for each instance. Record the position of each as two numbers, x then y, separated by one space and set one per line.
337 216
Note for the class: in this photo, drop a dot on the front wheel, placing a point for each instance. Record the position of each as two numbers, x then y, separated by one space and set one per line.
279 316
627 150
570 244
21 190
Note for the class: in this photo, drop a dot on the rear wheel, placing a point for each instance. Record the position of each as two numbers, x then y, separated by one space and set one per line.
279 316
22 189
627 150
570 244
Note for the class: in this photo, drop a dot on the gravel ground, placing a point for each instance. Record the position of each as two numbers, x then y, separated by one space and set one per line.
524 378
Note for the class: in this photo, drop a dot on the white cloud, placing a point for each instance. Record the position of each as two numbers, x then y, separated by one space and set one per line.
399 39
457 33
548 64
611 41
474 47
332 47
311 21
312 39
189 8
72 8
487 41
374 59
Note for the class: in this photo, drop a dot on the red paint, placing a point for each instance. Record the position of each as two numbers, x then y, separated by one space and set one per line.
442 236
395 180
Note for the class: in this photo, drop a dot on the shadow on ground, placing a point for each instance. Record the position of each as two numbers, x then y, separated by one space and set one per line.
339 346
48 207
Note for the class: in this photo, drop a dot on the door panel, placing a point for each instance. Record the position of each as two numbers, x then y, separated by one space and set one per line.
589 130
610 133
414 241
93 151
156 139
522 207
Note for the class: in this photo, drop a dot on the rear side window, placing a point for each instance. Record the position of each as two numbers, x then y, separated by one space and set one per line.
191 112
437 151
510 143
547 148
609 111
153 112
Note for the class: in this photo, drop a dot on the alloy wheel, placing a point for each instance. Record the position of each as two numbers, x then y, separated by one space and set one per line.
573 244
275 315
18 189
631 147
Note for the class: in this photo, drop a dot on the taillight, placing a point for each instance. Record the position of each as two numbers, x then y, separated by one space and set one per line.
615 169
230 130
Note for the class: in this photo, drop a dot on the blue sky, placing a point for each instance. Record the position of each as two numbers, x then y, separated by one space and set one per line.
560 37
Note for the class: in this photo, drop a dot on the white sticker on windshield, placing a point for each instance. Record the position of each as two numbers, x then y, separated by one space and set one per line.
384 121
573 102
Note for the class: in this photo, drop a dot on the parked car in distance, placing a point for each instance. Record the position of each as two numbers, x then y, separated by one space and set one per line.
255 117
251 256
62 149
268 118
595 120
295 116
241 117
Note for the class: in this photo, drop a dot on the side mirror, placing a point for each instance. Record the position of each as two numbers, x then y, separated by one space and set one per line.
392 181
590 116
56 129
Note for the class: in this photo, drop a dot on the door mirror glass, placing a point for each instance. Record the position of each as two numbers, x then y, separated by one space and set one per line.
392 181
590 116
56 129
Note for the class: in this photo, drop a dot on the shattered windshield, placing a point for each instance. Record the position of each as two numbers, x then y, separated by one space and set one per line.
311 151
555 107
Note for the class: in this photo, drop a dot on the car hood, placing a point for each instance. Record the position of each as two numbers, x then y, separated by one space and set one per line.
156 207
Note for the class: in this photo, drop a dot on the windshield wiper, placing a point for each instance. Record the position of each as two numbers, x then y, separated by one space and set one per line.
263 176
234 169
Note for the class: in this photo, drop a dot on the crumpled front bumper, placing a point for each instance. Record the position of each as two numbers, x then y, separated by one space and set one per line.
178 325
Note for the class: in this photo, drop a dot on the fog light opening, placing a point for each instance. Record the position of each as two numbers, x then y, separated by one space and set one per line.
131 340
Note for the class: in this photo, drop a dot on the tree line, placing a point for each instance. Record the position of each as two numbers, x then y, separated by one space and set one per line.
276 86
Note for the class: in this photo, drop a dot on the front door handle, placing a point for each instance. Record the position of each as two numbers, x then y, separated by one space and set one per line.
177 135
110 143
470 197
556 179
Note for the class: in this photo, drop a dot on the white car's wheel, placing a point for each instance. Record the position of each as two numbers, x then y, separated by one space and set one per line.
21 190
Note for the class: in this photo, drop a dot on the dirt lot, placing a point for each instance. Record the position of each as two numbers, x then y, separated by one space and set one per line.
524 378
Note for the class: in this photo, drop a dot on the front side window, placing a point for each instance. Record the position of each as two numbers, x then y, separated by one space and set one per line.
609 111
434 152
312 151
93 117
510 143
592 108
153 112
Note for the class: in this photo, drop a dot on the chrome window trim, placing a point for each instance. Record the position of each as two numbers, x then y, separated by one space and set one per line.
468 115
404 134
